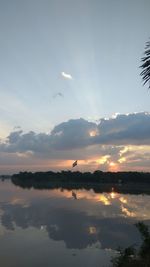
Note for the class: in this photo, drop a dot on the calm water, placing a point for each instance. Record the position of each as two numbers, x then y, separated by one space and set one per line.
56 228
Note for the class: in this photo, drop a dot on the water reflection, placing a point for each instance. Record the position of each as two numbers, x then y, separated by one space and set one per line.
80 219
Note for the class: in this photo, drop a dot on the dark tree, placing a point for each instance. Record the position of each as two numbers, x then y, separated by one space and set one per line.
146 65
130 257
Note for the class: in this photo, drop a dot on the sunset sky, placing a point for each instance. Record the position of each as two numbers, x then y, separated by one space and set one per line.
70 85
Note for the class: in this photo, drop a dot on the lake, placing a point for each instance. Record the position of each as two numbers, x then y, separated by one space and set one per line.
71 228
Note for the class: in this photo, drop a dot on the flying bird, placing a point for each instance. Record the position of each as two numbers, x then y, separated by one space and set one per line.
74 164
74 195
58 94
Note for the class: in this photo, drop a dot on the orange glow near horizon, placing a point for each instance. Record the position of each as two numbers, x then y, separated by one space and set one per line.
103 198
112 164
113 167
114 194
128 159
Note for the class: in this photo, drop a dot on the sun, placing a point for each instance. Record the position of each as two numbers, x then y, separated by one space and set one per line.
112 164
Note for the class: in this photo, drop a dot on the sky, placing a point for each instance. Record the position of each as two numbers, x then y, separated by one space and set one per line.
70 85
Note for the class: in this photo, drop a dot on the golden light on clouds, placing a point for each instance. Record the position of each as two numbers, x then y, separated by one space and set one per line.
124 150
93 133
113 195
121 160
127 212
104 200
103 159
134 148
123 200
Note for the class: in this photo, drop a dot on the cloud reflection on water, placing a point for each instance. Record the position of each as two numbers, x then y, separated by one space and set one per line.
79 221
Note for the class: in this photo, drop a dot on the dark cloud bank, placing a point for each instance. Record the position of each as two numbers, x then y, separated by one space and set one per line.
83 140
131 129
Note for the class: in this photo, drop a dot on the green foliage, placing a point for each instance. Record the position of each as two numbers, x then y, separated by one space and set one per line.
130 257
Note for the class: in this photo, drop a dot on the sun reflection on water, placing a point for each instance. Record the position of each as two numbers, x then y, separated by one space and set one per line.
92 230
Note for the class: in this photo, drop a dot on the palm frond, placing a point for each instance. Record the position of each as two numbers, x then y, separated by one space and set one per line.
145 73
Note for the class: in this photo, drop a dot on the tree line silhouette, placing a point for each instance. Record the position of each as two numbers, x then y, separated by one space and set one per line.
125 182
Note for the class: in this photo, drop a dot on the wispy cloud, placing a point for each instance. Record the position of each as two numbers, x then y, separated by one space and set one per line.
66 75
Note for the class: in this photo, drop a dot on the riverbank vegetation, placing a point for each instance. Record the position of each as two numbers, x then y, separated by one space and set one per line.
122 182
132 257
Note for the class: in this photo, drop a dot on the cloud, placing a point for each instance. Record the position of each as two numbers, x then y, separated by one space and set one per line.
72 134
132 129
66 75
21 142
123 140
125 129
87 230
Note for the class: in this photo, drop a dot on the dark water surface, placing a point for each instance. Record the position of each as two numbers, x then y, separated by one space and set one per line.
56 228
